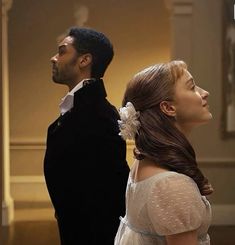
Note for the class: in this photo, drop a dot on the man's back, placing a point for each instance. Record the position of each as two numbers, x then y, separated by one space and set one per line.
86 170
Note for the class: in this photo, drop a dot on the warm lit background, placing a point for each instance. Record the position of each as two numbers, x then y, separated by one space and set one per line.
141 32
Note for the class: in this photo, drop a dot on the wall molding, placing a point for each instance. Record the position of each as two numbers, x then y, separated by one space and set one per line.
28 144
217 162
29 188
205 162
7 211
28 179
27 141
40 144
222 214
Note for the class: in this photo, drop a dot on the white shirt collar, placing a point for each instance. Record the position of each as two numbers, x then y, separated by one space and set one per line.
67 102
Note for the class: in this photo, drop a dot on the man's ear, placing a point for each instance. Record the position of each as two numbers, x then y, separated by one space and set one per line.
85 60
168 108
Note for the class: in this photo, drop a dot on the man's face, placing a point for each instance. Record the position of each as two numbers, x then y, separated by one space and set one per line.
65 68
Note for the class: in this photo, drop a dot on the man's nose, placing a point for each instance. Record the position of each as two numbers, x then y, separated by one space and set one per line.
54 59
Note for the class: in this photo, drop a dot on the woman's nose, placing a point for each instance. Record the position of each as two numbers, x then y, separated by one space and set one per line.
204 94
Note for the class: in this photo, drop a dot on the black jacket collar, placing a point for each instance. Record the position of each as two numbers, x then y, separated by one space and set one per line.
91 91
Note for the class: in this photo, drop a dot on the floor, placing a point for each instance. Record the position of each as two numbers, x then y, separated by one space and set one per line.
38 227
31 233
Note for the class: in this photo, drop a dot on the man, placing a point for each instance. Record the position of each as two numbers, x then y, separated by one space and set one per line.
85 167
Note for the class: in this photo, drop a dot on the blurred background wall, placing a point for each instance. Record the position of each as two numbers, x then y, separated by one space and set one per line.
143 33
140 34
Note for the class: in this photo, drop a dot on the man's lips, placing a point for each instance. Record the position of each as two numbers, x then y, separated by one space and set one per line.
54 70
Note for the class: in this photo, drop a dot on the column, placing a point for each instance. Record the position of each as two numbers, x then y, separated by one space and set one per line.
7 201
181 12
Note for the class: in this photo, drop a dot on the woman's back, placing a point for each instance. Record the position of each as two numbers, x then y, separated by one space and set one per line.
165 196
164 204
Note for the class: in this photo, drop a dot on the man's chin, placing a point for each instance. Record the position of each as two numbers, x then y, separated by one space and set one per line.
56 80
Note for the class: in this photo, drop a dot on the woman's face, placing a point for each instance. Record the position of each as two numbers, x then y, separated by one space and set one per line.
190 102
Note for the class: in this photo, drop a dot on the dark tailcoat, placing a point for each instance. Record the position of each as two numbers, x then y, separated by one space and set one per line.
86 170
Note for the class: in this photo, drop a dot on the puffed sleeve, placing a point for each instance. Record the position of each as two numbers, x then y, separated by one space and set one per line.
175 205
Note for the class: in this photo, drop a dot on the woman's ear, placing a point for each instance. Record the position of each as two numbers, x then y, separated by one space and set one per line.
168 108
85 60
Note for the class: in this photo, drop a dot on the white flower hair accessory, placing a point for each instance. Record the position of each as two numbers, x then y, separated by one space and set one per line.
129 123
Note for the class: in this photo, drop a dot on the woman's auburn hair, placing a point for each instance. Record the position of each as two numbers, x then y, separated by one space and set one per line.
158 138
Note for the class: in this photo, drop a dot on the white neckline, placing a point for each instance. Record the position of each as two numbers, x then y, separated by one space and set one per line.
158 175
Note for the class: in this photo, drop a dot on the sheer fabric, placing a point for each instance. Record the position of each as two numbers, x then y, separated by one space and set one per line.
164 204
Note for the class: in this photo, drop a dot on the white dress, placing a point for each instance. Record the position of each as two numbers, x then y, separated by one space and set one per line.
164 204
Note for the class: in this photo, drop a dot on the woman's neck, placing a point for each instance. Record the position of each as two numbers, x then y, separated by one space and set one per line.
146 168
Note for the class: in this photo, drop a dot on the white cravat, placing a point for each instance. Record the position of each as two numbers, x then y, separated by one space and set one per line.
67 102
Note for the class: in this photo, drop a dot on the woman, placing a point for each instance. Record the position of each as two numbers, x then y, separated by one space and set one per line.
165 196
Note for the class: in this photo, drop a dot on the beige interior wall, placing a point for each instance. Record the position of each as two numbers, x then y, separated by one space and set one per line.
140 32
138 40
217 155
207 68
1 139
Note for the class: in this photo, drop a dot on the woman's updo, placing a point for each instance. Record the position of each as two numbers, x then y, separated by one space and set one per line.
156 136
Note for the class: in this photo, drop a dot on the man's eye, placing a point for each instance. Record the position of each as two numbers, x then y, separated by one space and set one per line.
61 51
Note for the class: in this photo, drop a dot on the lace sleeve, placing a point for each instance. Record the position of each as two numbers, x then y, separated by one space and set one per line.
175 205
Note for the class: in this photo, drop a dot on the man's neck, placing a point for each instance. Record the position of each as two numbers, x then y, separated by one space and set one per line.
72 86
